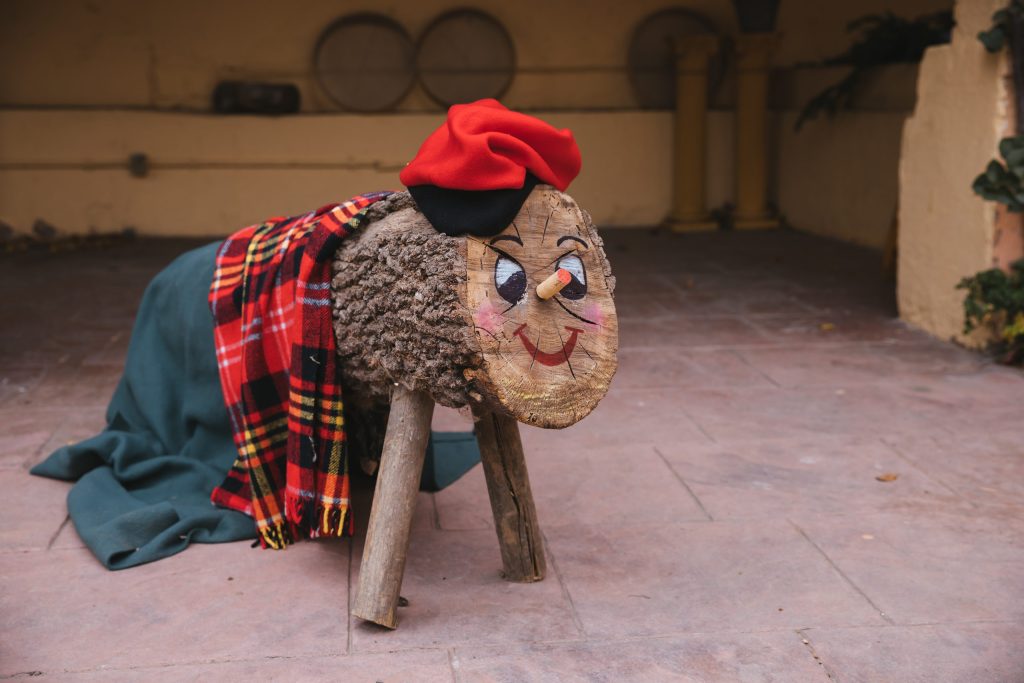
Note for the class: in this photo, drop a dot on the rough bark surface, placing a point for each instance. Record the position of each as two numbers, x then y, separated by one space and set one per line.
419 309
399 316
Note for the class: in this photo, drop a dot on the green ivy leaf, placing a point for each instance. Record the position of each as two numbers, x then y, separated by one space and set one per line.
993 39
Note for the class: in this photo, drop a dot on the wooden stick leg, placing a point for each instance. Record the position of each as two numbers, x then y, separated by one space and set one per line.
387 538
515 518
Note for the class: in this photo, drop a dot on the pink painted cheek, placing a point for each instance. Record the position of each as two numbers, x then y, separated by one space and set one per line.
594 313
487 317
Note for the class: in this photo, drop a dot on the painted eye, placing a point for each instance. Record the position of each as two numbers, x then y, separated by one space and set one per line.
509 279
577 287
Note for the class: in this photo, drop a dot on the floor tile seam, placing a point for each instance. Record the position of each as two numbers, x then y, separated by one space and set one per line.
771 384
220 661
740 389
895 450
841 573
808 646
895 625
60 528
738 353
705 519
12 551
652 524
841 332
30 460
454 665
693 420
807 319
952 368
640 638
435 516
806 436
564 587
719 518
44 411
682 481
767 344
882 381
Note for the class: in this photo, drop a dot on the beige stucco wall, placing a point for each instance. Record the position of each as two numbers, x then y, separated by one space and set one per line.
84 83
946 231
838 176
212 174
171 53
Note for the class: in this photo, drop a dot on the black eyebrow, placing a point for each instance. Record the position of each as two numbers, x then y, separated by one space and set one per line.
570 237
510 238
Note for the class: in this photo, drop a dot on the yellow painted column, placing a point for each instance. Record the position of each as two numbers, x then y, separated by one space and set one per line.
689 206
753 64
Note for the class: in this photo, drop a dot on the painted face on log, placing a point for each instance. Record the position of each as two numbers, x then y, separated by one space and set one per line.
549 361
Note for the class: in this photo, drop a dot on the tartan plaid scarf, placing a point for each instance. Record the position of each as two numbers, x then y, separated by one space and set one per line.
271 303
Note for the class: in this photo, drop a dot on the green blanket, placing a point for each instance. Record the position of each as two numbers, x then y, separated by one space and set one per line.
143 484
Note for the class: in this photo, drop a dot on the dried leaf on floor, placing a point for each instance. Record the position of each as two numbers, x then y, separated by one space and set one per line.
888 476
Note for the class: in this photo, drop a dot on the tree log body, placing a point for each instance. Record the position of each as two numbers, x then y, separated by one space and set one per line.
398 311
458 318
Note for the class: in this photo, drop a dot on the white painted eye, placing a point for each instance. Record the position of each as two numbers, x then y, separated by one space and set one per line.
577 287
575 267
509 279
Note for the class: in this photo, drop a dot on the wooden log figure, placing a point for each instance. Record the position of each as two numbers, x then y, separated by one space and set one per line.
458 320
424 317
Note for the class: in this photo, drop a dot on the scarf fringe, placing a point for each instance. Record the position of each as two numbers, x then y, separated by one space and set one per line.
332 520
317 520
284 260
277 536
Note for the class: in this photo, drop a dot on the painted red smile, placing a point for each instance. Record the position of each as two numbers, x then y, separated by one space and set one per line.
549 359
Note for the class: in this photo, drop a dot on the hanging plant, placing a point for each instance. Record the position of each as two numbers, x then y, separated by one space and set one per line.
1004 182
885 39
995 298
995 301
997 37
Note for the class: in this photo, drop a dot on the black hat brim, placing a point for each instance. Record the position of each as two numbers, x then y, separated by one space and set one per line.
482 213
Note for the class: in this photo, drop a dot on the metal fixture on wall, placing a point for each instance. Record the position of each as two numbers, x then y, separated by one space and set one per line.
138 164
244 97
365 62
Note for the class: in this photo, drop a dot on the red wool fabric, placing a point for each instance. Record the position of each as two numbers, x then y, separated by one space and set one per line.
271 303
485 146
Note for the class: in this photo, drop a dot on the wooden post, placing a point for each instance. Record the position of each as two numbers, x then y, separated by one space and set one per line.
508 484
689 204
387 538
753 66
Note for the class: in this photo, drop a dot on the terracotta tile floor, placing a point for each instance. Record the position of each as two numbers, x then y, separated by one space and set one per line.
717 519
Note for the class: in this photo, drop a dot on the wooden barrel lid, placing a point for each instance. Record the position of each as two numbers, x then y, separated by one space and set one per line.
365 62
465 55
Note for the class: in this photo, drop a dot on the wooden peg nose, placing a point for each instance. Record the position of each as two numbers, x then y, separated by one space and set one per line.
554 284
